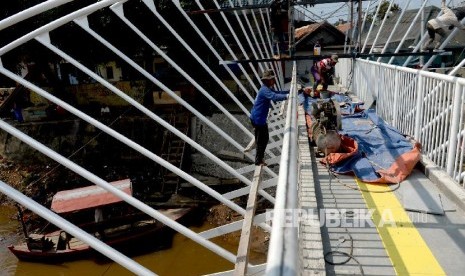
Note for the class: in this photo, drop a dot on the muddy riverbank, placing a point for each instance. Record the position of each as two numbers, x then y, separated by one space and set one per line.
41 180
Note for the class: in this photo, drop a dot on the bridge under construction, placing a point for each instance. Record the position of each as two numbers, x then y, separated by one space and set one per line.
358 216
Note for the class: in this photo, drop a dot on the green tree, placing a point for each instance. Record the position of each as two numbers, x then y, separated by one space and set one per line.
382 11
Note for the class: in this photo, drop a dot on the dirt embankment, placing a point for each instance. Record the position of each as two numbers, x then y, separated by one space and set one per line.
221 215
14 175
33 180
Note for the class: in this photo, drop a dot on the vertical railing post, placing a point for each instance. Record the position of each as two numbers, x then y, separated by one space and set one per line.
418 114
454 130
396 98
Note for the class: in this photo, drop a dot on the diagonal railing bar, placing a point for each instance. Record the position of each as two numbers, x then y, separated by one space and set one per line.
81 12
346 33
118 10
82 22
268 50
412 24
393 31
260 33
444 44
226 45
69 227
423 37
252 32
273 105
30 12
371 28
243 191
124 140
276 64
53 25
117 192
279 82
215 53
230 227
244 52
45 40
246 35
373 45
150 4
283 243
239 44
249 168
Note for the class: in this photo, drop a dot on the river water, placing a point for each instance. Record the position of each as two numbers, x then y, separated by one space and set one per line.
185 257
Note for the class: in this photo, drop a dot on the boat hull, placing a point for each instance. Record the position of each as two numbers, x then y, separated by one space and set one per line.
133 238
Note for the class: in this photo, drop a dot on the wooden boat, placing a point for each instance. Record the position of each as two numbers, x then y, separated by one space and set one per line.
134 230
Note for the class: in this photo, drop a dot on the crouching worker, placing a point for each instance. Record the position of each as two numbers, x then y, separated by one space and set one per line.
322 72
259 113
439 25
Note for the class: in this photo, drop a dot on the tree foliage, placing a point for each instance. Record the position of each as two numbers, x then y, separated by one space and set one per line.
382 11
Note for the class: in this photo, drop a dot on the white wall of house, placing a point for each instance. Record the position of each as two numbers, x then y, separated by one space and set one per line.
303 66
110 71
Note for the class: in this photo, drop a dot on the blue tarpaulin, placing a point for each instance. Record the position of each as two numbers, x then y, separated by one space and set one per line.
383 152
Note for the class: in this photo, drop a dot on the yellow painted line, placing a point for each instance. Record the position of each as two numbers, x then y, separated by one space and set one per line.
409 253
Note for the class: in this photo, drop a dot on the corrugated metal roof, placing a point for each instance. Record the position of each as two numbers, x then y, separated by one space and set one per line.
404 24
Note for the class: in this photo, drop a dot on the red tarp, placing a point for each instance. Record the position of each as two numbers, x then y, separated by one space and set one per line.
88 197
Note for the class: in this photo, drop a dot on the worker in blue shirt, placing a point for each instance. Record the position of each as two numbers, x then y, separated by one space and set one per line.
259 113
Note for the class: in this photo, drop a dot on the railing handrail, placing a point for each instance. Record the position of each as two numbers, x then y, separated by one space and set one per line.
427 106
283 248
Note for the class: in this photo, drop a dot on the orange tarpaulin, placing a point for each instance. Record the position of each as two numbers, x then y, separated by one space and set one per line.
88 197
374 152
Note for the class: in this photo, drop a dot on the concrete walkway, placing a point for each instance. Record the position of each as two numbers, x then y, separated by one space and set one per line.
349 231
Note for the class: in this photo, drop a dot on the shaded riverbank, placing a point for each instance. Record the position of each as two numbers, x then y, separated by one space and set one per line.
185 257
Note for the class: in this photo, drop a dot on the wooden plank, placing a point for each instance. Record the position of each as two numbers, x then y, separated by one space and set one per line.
231 227
244 242
243 191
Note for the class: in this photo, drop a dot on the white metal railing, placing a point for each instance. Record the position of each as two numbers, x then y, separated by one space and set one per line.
283 248
283 240
428 106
